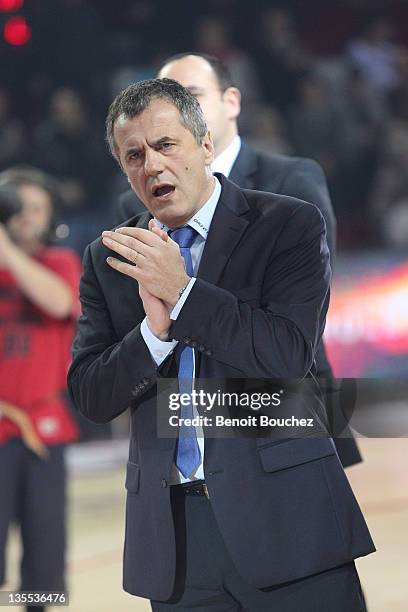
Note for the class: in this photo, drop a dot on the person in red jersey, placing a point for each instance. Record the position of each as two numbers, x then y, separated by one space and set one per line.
38 310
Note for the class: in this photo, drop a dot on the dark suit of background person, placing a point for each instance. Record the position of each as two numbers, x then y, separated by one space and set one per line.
310 500
292 176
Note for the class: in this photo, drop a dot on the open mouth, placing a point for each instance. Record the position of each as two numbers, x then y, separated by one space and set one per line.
160 191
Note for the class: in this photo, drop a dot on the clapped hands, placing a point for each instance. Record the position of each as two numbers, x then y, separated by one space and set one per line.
154 260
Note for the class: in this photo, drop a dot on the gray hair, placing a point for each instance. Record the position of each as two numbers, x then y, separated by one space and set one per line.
133 100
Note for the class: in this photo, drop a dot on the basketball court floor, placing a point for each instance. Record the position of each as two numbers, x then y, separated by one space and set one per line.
97 496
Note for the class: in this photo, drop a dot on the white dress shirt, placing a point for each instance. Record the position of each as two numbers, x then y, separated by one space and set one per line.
159 350
224 162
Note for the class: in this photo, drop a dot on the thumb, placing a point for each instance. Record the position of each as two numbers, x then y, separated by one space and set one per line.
156 230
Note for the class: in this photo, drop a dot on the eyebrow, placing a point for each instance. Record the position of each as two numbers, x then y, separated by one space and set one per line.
156 143
162 140
133 150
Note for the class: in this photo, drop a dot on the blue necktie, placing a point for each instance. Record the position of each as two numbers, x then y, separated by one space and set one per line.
188 454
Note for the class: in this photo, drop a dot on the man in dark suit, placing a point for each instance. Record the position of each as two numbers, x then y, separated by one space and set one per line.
213 282
210 81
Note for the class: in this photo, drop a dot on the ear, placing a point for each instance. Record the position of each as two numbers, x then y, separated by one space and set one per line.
232 101
208 148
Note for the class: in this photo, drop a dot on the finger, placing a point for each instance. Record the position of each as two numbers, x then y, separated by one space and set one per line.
159 232
121 248
127 240
132 242
140 234
164 237
124 268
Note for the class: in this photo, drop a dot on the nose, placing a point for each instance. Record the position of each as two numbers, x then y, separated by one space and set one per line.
153 163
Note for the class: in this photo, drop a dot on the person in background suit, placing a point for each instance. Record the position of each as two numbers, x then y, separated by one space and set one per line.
212 282
210 82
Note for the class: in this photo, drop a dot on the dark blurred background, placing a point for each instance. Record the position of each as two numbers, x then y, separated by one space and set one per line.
326 80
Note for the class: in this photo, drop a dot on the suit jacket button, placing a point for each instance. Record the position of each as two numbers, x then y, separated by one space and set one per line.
201 348
208 352
163 483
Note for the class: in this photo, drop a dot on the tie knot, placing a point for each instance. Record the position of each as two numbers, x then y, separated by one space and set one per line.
184 236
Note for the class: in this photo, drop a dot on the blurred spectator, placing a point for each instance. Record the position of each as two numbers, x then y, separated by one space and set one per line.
67 146
38 309
70 146
268 133
213 37
375 55
316 125
130 44
363 123
98 48
389 201
281 58
12 134
398 100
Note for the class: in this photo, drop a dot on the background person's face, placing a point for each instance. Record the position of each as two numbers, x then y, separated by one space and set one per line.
219 108
31 225
165 165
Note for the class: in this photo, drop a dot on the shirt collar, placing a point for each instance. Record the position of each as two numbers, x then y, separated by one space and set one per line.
223 163
201 221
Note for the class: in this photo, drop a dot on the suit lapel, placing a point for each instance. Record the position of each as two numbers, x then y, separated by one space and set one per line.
227 228
244 168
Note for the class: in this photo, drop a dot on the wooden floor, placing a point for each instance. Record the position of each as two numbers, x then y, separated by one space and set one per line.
97 529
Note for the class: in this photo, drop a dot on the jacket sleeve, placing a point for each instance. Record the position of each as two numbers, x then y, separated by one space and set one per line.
107 373
306 181
278 339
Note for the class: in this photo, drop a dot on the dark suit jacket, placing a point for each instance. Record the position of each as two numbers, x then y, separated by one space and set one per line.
285 508
300 178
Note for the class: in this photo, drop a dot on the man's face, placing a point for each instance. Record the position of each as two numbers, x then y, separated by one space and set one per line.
32 223
165 165
220 109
